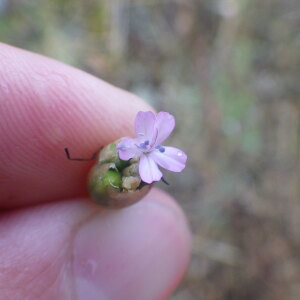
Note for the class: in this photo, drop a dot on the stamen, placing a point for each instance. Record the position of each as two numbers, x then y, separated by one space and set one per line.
160 148
144 144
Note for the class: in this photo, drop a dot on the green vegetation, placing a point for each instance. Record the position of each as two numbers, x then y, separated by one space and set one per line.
229 71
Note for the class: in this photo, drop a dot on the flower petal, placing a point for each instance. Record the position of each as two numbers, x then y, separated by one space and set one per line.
127 148
148 169
164 125
144 125
172 159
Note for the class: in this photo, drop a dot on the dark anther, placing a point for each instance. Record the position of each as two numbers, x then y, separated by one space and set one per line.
144 144
160 148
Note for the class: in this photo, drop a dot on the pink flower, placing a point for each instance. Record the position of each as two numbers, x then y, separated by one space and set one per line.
150 132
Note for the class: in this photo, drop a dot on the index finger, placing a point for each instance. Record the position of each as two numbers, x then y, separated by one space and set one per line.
44 107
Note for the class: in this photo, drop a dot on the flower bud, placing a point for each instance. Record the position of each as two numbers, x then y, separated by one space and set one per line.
113 182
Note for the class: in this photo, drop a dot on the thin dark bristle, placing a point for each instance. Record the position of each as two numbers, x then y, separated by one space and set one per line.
79 159
67 153
165 181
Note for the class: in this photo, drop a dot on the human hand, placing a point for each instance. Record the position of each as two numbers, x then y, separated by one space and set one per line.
54 242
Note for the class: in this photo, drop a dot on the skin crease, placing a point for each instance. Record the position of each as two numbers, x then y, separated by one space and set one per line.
54 244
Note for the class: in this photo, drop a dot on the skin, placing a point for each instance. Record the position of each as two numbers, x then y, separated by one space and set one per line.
54 242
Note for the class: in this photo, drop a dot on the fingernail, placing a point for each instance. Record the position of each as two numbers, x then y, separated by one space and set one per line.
135 253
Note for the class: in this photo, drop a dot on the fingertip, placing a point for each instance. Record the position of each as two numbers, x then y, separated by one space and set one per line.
45 107
72 249
142 254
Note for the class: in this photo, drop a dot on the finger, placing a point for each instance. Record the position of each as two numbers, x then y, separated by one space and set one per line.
70 250
44 107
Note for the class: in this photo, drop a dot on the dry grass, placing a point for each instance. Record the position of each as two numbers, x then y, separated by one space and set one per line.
229 71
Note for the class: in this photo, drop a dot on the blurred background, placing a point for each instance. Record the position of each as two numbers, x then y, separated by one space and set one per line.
229 70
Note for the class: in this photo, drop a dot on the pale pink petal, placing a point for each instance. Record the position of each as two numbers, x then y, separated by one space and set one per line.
144 125
127 148
172 159
164 125
148 169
